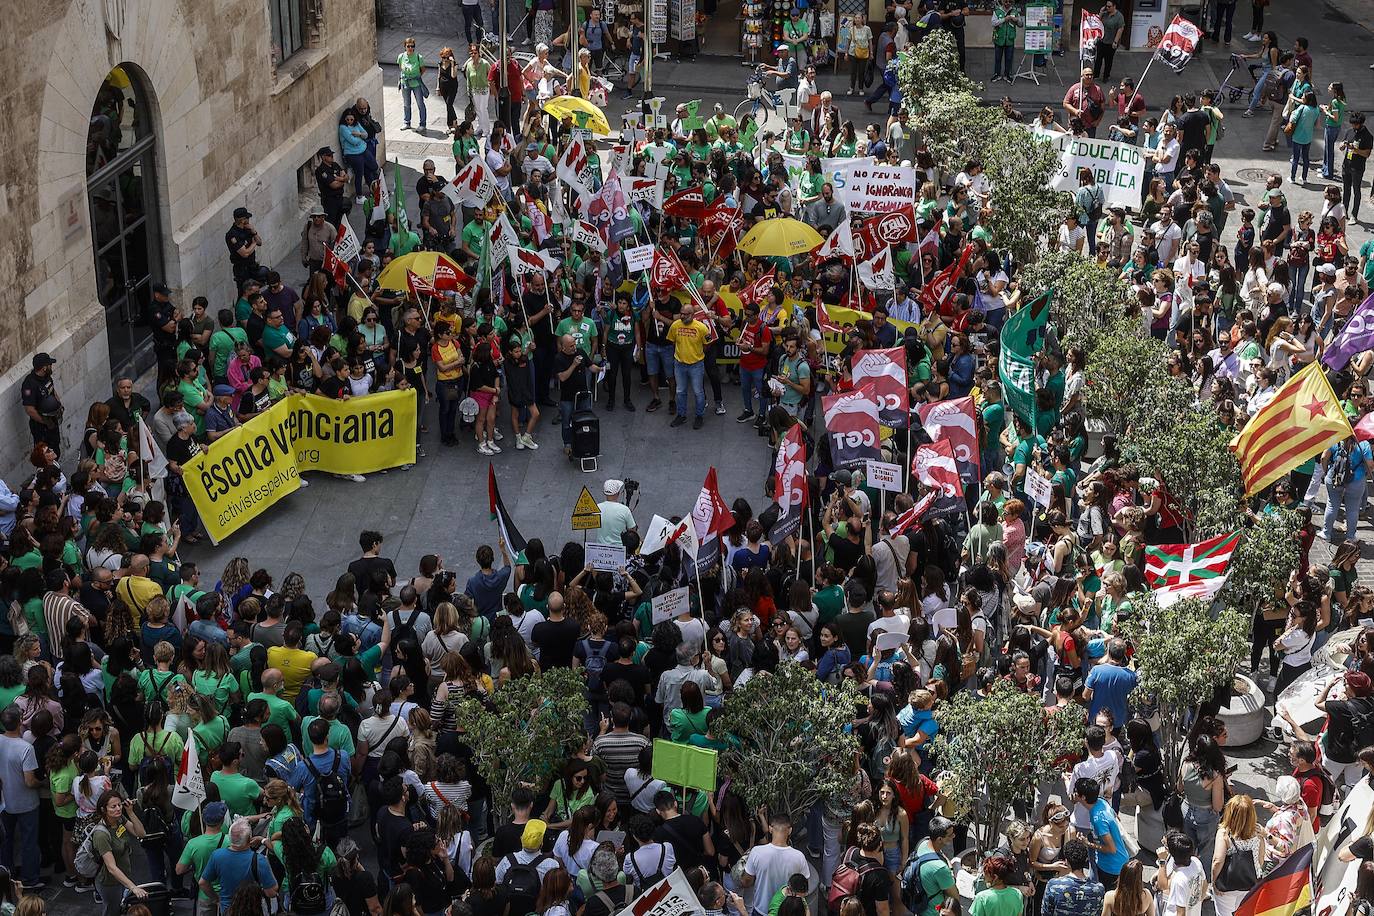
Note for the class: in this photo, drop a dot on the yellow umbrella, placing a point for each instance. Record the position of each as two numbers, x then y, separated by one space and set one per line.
780 237
420 263
565 106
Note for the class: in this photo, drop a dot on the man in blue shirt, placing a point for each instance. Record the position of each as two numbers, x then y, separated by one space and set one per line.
917 719
234 864
1108 685
1345 467
486 586
1106 843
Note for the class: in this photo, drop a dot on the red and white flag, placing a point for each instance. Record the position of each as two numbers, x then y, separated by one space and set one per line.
1199 570
541 227
876 272
893 228
938 293
346 246
572 166
760 289
710 514
933 465
789 484
684 535
1179 43
418 285
474 183
913 516
667 272
885 370
189 792
501 238
584 233
851 422
1089 31
526 261
688 204
953 421
641 189
826 324
451 278
338 268
839 244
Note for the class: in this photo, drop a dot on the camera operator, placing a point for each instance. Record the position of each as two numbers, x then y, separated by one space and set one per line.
573 368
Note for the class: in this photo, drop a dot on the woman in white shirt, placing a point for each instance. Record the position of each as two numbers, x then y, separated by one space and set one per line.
375 731
1254 287
934 594
574 846
1296 643
1071 235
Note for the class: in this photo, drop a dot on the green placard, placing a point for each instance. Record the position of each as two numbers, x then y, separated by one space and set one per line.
684 765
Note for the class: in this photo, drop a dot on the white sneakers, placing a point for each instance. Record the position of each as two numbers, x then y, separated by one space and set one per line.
529 441
487 447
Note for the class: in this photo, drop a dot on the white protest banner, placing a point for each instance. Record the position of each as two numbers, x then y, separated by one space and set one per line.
606 557
1038 487
876 188
883 475
639 258
835 171
670 897
669 604
1119 168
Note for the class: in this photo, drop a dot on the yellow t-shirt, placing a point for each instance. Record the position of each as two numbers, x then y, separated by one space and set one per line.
445 353
136 592
689 340
294 665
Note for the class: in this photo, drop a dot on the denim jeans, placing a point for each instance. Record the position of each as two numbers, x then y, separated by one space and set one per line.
450 394
24 828
1330 137
693 374
1299 292
406 94
1301 152
1201 826
565 413
1260 79
357 164
1001 60
1348 498
751 384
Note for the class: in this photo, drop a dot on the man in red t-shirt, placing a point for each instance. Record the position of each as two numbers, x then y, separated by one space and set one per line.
1303 756
755 340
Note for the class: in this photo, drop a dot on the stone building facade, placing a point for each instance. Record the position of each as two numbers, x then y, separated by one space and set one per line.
210 118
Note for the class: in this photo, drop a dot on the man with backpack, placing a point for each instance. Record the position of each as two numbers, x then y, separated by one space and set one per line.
1345 467
328 789
521 874
198 850
1349 727
1317 789
927 881
687 835
230 866
654 859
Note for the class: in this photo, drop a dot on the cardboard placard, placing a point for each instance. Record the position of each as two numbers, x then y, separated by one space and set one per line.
669 604
1038 487
685 765
639 258
605 557
883 475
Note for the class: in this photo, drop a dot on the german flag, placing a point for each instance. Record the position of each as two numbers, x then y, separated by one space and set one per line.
1284 891
1303 419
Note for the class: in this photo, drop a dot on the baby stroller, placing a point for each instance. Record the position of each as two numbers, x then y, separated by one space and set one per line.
1228 92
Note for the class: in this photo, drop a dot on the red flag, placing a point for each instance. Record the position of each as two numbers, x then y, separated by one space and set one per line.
938 293
337 267
689 204
953 421
912 516
667 271
933 465
886 370
889 229
711 515
719 217
418 285
1364 430
759 289
825 322
452 278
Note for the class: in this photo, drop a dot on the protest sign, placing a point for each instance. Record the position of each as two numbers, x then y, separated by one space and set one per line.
1038 487
639 258
1119 168
669 604
606 557
670 897
876 188
248 469
883 475
684 765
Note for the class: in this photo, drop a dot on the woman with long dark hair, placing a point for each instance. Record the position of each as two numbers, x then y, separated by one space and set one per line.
302 858
1204 783
163 842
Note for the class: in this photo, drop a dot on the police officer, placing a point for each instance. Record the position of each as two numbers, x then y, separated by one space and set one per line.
38 395
163 317
330 178
243 242
953 14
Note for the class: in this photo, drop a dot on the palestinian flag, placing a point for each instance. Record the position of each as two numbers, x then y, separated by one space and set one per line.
1284 891
515 542
1177 571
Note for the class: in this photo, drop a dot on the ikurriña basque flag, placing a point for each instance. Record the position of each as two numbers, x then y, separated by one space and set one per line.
1285 890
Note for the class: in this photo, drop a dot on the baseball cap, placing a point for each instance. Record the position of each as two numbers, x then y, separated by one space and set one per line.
533 836
842 477
1328 269
223 391
612 486
214 813
325 151
43 359
242 213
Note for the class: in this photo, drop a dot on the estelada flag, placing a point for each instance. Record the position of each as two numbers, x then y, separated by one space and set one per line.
1302 419
1285 890
515 543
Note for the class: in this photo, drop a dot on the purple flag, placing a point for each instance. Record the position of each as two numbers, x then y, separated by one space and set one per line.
1355 337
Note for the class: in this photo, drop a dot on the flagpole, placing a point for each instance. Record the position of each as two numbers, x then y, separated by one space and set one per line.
1138 84
811 539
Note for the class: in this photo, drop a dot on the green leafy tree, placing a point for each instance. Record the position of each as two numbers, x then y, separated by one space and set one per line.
997 749
1088 297
1121 364
792 747
1182 654
1022 207
1260 567
931 69
533 724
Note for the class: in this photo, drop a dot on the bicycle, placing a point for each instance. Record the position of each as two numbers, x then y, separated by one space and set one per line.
758 98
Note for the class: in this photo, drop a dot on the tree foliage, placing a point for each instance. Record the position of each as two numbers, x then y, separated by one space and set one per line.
998 749
794 748
533 723
1088 297
1122 364
1182 654
1022 207
1259 569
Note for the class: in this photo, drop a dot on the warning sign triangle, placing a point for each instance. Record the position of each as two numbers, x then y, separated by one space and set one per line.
585 504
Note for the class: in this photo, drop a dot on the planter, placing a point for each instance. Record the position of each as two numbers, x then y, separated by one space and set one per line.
1245 716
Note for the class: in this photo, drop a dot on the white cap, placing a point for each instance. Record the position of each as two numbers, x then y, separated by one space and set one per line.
1274 289
1328 268
612 487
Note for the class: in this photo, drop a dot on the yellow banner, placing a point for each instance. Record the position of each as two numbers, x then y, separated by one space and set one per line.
243 473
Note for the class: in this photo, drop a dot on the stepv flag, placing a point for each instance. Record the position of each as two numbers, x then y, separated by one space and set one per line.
912 517
684 535
789 485
1177 571
515 542
885 370
379 202
933 465
646 190
938 292
474 183
571 165
526 261
826 324
876 272
839 244
346 246
1356 336
1302 419
851 422
189 792
1022 337
584 233
1285 890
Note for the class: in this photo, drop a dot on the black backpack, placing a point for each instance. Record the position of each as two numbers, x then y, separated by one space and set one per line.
331 793
521 883
153 756
307 894
915 897
656 875
595 662
1361 722
400 631
1340 467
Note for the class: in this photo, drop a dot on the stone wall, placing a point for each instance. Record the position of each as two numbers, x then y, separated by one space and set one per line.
232 130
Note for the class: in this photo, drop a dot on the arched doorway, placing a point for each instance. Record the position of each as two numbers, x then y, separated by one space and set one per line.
121 185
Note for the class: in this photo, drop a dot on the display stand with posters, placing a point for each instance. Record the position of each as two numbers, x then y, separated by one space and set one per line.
1037 43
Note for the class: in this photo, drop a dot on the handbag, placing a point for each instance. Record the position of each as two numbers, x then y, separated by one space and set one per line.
1238 872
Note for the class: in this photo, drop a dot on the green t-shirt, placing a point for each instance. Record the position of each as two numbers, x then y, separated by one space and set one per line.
935 876
829 603
222 344
165 743
215 686
237 791
1005 901
583 332
280 712
211 734
994 421
33 614
273 338
9 694
242 660
157 684
340 738
473 234
61 781
197 853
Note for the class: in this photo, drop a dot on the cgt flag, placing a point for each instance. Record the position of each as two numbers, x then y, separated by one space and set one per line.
1178 44
933 465
515 542
885 371
851 421
789 485
953 421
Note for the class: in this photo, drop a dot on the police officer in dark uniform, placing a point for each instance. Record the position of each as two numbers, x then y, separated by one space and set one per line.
243 242
39 397
952 17
163 316
330 178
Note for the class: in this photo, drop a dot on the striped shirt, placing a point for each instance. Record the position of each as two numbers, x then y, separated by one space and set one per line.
439 795
57 610
619 751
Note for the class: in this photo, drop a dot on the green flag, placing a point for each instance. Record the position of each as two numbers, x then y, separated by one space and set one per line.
398 203
1022 337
